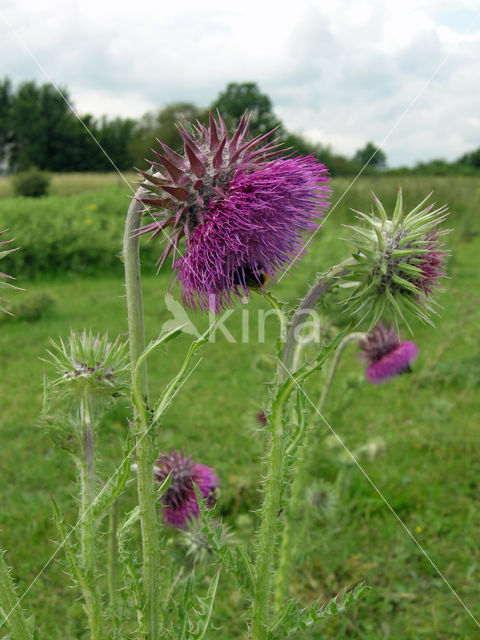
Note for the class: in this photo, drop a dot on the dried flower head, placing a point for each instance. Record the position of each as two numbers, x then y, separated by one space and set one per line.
180 501
322 497
386 355
88 362
242 210
398 262
196 543
3 276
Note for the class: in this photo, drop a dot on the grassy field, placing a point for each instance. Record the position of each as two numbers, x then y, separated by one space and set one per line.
424 427
65 184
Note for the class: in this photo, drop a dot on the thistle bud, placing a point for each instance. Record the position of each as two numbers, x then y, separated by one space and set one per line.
399 262
89 363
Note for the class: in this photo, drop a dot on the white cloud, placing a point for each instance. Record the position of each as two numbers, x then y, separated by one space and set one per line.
342 71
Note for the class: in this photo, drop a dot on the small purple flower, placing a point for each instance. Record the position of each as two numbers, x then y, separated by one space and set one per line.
180 501
262 418
386 355
242 210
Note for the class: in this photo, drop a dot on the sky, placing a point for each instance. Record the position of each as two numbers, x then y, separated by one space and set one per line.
403 74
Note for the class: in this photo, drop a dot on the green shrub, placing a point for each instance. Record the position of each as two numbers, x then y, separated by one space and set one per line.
79 233
32 183
30 306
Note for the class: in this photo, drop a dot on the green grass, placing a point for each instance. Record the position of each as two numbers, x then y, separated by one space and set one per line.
69 183
427 470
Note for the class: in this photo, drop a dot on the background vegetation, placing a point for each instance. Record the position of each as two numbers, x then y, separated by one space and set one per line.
38 127
422 428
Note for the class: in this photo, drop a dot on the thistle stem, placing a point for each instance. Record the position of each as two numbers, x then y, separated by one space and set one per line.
350 337
268 526
144 444
112 554
86 472
87 486
314 294
271 503
291 357
12 614
287 546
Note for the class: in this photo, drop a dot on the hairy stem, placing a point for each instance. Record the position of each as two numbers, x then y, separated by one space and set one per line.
288 546
86 474
112 554
10 610
268 525
350 337
271 502
144 445
307 304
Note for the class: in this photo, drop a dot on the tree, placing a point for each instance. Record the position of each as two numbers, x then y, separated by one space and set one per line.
369 155
162 125
6 133
239 97
471 159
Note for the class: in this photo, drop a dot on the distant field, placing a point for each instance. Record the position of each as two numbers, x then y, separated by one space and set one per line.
67 183
424 429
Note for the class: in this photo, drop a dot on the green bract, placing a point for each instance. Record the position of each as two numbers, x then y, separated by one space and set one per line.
90 363
397 262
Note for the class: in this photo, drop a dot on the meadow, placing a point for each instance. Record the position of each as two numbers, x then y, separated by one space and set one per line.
417 437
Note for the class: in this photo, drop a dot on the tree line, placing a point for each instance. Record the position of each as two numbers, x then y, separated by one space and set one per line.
39 129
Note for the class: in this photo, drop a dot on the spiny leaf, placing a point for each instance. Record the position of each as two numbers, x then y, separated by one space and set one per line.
290 618
234 559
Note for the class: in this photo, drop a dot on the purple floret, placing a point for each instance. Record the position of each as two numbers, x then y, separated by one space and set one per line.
255 230
242 210
393 363
386 355
180 501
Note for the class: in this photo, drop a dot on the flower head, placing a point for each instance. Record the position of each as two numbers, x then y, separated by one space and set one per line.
386 355
89 362
180 501
3 276
242 210
399 262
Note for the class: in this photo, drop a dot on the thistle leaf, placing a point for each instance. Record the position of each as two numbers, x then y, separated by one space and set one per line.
290 618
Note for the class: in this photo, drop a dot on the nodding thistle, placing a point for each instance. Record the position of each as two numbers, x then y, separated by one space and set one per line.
398 262
89 363
386 355
241 208
180 501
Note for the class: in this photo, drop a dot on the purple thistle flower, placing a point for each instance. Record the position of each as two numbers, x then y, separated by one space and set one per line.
432 265
180 501
386 355
242 210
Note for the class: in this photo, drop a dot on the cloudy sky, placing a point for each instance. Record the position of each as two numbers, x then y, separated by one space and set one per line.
403 73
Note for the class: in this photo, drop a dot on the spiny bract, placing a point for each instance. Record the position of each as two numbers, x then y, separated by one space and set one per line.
398 262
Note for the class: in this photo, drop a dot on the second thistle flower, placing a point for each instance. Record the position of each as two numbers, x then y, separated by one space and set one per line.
399 262
242 210
387 356
180 501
